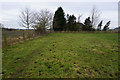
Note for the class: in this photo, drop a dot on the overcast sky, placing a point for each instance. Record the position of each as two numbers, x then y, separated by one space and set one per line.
10 10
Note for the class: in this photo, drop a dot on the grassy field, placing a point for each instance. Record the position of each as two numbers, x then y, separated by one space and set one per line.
63 55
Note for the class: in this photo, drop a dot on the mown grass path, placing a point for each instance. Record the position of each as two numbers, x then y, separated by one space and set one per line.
63 55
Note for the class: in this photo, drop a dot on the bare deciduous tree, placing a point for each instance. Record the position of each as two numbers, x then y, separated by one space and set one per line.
79 16
95 14
43 19
26 18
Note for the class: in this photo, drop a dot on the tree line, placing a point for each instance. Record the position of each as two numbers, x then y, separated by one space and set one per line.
44 19
60 23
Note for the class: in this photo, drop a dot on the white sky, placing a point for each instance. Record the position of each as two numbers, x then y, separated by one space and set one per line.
10 9
59 0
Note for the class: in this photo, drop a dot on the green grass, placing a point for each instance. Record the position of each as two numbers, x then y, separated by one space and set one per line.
63 55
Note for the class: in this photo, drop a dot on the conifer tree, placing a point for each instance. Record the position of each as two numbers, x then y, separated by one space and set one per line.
106 26
99 26
87 25
59 20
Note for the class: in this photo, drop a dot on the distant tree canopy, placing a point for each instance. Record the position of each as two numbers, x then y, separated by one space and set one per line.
59 20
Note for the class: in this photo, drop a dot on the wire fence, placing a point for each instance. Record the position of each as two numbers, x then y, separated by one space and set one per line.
14 37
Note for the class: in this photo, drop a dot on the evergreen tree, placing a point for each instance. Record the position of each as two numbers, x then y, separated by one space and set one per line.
106 26
87 25
99 26
79 26
71 23
59 20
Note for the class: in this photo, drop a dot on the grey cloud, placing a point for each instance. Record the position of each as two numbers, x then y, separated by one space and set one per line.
12 9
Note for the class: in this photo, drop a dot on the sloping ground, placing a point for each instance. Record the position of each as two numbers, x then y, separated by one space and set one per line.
63 55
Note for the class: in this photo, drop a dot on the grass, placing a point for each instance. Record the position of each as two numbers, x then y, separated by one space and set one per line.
63 55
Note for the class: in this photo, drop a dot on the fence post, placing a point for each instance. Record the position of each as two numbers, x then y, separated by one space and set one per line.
39 34
29 35
33 35
23 36
5 40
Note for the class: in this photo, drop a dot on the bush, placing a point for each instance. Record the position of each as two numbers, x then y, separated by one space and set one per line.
40 30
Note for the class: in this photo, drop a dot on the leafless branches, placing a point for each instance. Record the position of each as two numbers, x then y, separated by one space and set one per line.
95 14
43 19
79 16
26 18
